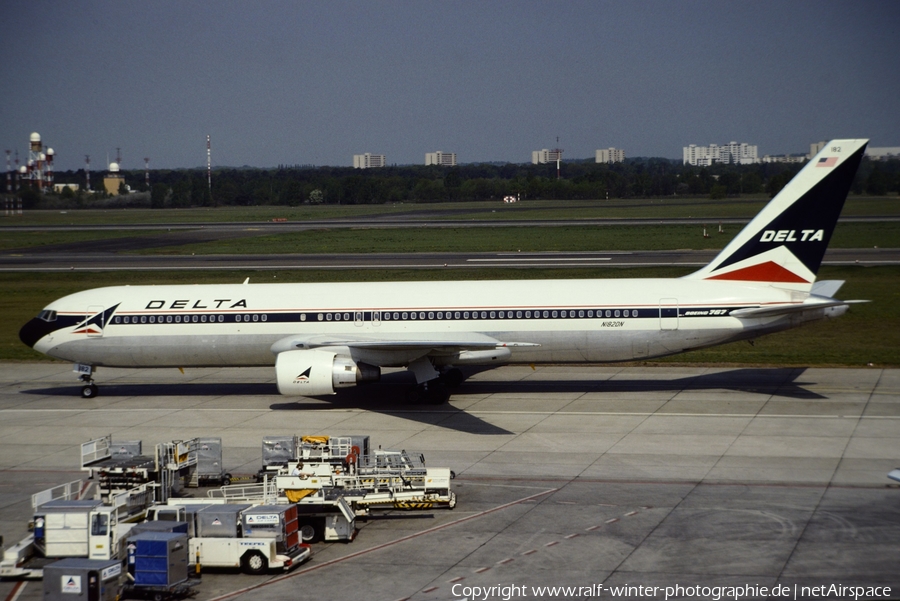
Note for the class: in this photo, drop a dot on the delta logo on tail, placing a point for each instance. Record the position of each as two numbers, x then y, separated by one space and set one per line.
786 242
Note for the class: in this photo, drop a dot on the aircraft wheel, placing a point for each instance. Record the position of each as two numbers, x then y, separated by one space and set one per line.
89 391
453 377
437 394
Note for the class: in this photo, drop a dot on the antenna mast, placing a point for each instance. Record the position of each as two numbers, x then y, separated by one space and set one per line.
558 151
208 168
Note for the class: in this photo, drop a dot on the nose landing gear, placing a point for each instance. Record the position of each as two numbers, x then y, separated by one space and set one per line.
89 390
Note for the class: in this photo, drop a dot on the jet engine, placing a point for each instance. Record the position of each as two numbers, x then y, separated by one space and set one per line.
311 373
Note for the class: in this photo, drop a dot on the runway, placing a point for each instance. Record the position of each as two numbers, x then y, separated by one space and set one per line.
579 476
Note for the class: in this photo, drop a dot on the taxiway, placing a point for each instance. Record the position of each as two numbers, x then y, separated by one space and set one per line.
567 475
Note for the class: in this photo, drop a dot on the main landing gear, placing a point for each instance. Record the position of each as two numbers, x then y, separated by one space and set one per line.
89 390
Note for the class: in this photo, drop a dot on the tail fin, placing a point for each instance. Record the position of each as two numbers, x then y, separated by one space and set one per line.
784 244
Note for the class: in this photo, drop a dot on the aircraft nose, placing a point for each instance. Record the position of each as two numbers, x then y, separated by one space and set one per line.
34 330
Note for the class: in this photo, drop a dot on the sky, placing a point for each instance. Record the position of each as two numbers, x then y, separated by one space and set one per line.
313 83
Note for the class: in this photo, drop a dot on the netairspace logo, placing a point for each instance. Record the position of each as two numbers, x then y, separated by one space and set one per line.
713 593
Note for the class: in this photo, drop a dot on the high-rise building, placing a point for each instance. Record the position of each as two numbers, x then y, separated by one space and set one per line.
814 149
445 159
368 161
610 155
704 156
545 156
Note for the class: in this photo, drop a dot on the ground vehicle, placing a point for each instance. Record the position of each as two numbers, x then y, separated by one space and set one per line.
253 538
68 527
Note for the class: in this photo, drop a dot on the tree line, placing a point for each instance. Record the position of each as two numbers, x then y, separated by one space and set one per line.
579 180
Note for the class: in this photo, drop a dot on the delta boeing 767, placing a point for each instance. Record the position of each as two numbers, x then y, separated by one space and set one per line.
322 337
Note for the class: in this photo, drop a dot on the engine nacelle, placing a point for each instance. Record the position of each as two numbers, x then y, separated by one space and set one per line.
312 373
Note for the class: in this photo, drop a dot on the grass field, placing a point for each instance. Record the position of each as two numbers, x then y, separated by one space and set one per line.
868 333
482 239
511 239
700 207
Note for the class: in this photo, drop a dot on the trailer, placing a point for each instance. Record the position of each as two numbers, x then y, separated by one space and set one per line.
157 565
210 469
320 517
76 578
117 469
233 535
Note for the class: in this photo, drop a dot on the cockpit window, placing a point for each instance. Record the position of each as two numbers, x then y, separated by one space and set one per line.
47 315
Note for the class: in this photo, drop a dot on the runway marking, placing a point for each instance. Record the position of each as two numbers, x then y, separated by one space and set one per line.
16 590
384 546
543 260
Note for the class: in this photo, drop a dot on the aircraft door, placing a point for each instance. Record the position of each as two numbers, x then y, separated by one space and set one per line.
376 318
358 318
96 316
668 314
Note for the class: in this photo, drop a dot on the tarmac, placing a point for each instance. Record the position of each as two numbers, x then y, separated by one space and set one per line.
593 477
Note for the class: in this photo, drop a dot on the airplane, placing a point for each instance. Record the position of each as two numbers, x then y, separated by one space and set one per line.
322 337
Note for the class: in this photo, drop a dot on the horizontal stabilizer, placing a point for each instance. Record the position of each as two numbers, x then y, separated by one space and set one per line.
786 309
827 288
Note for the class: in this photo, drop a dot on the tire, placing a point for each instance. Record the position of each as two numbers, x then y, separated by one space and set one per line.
254 562
311 530
437 394
453 377
89 391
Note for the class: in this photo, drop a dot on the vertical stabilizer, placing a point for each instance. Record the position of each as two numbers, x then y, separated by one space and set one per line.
786 241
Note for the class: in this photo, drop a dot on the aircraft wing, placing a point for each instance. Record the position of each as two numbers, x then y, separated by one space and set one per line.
457 343
788 308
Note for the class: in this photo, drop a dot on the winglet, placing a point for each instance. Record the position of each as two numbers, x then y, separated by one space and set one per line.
785 243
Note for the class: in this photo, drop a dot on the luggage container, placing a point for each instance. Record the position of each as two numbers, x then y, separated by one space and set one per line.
219 521
210 468
76 578
272 521
158 560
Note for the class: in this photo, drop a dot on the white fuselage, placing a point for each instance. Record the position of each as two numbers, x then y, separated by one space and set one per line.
571 320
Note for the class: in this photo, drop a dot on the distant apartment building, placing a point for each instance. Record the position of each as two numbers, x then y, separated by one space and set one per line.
444 159
784 158
885 153
368 161
545 156
704 156
610 155
815 148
